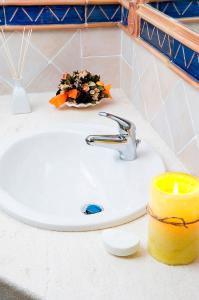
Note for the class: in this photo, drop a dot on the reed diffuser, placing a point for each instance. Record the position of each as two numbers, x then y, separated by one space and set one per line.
20 103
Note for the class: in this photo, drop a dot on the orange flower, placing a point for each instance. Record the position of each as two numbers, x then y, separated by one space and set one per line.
73 93
59 100
107 90
85 87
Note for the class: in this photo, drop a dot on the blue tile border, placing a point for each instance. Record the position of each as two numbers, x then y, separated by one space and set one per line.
2 19
124 16
156 37
178 8
45 15
103 13
186 59
179 54
61 14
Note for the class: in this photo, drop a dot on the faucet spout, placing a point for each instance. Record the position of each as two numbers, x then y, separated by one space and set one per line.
125 142
105 140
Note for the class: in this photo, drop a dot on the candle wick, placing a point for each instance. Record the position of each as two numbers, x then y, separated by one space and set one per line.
175 189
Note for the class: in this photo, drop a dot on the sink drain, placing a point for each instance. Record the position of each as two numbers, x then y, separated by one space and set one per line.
90 209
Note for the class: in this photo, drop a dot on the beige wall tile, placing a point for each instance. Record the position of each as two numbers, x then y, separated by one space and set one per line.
4 88
190 157
138 102
150 91
143 58
34 61
101 41
33 65
51 42
127 48
192 96
161 125
179 117
4 69
126 78
170 104
68 59
47 80
167 78
107 67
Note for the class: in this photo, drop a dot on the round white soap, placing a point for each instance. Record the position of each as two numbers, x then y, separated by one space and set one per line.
120 243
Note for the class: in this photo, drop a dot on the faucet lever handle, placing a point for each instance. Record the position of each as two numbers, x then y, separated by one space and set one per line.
125 126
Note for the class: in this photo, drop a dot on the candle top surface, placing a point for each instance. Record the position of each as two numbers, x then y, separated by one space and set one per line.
176 183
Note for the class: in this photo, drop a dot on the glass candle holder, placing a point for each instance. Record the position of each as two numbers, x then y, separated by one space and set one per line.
173 209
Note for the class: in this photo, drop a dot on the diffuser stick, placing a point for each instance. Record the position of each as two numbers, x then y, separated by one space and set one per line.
8 55
25 52
20 55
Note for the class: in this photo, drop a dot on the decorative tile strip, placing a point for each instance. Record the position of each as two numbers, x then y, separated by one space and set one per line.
103 13
156 37
124 16
2 19
44 15
186 59
20 15
177 8
179 54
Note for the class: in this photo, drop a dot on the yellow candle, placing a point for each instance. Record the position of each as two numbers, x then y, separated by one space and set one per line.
173 236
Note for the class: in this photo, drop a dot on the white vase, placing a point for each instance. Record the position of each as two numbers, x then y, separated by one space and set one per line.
20 103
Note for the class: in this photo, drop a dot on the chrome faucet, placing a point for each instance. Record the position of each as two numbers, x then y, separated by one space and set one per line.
125 142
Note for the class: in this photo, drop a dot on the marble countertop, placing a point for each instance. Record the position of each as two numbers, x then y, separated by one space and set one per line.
72 265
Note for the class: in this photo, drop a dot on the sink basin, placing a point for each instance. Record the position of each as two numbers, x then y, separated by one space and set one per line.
48 178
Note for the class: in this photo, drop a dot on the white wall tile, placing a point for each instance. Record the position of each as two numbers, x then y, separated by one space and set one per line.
167 78
192 96
107 67
101 42
68 58
179 117
161 125
150 91
190 157
164 99
54 52
49 43
126 78
46 81
127 48
138 102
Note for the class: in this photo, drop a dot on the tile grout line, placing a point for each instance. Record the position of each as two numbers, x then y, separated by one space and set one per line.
189 109
66 44
164 106
187 144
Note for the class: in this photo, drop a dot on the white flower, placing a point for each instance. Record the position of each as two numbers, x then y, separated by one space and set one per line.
82 74
95 96
92 92
91 83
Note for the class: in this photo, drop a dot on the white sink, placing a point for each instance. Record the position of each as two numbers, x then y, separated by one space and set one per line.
47 178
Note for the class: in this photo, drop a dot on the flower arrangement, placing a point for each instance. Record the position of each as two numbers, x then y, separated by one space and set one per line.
80 87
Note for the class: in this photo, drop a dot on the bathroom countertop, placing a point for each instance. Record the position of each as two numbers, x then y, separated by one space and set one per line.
75 266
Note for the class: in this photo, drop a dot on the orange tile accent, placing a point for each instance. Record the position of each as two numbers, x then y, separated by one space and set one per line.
124 28
124 3
43 2
102 2
44 27
101 24
189 20
60 27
